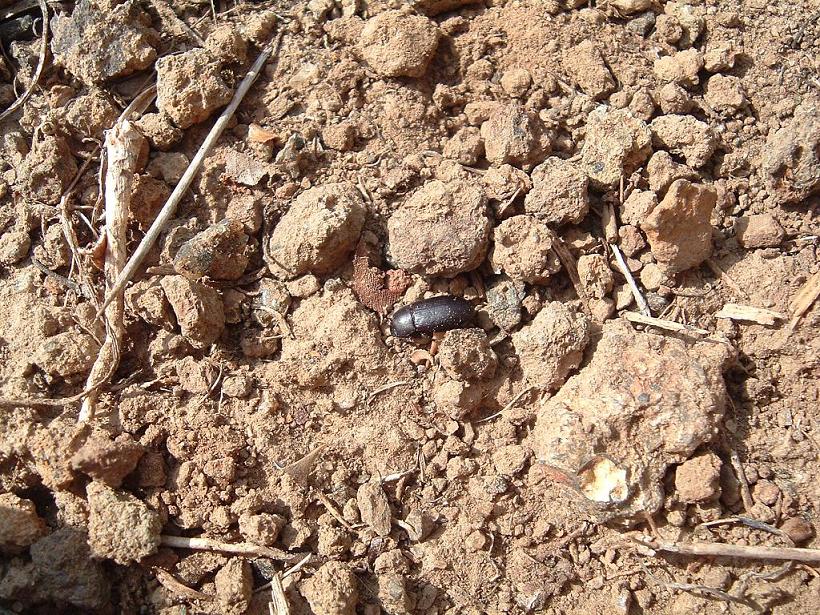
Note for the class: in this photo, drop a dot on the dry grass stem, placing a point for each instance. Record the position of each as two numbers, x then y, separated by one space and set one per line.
669 325
805 297
240 548
720 549
643 306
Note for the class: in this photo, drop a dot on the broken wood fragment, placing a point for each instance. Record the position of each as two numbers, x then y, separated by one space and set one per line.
761 316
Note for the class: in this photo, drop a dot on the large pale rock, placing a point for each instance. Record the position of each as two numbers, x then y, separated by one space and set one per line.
643 402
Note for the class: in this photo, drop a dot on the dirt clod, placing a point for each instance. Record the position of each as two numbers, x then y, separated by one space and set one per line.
698 479
46 171
120 526
98 42
587 68
108 460
14 246
685 136
552 345
514 135
65 572
559 192
465 354
759 231
791 160
190 87
261 529
396 44
20 525
320 229
523 250
639 384
67 354
725 94
798 529
374 508
198 309
234 586
422 230
393 594
681 68
617 143
595 274
331 589
679 229
220 251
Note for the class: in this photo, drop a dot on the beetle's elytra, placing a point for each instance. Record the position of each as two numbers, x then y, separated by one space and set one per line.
431 315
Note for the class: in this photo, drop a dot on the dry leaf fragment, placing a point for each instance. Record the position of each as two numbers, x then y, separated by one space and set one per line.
376 289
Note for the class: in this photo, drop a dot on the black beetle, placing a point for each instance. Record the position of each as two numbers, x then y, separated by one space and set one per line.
431 315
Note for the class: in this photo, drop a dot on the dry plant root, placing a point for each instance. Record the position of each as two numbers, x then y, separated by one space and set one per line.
123 144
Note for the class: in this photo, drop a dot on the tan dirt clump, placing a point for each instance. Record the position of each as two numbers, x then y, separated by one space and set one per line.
465 354
595 274
683 135
319 230
698 479
120 526
190 87
759 231
234 587
98 42
679 229
220 251
642 403
20 525
616 144
522 248
791 161
67 354
552 345
198 309
559 192
422 231
108 460
587 68
331 590
396 44
514 135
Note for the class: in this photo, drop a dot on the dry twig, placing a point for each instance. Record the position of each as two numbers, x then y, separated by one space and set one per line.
698 589
170 207
334 512
122 144
169 582
643 306
509 405
802 302
669 325
279 603
720 549
745 492
761 316
240 548
386 387
724 277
